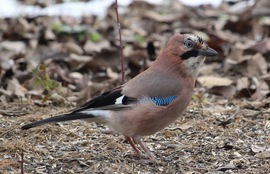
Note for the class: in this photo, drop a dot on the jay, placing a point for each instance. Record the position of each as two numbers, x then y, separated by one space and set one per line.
150 101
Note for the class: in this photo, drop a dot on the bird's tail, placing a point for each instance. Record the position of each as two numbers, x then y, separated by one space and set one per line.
59 118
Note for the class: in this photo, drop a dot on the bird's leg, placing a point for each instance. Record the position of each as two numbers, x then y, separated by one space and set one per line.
138 140
130 141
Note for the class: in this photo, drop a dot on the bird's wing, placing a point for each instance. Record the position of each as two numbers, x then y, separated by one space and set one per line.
116 100
110 100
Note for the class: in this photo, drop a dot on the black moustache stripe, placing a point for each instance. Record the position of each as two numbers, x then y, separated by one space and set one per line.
189 54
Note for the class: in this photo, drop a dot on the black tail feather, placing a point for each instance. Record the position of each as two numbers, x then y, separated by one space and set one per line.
59 118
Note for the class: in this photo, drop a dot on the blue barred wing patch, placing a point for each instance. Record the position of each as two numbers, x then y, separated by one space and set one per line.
160 101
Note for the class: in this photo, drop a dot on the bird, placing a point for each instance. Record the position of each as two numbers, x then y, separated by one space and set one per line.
150 101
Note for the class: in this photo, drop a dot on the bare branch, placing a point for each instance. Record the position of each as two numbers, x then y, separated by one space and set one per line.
120 39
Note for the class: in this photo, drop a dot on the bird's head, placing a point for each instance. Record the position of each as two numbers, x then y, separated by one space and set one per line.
189 50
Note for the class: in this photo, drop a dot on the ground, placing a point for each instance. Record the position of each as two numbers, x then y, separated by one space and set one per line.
200 141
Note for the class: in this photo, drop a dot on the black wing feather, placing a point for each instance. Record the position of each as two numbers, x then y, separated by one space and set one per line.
106 99
58 118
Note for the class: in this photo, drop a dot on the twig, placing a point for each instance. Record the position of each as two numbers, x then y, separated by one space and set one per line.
22 161
120 39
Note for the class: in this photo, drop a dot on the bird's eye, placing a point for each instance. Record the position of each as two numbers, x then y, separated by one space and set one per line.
189 43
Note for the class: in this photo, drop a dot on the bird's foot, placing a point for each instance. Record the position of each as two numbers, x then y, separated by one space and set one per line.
138 156
148 155
144 157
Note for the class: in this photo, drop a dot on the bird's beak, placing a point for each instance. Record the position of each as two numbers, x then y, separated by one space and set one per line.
209 52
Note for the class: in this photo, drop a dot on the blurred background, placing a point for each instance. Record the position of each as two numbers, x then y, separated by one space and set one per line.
76 44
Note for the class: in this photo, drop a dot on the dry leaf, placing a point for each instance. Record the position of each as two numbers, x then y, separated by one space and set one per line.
261 47
91 47
111 74
263 155
16 46
257 66
16 88
242 83
226 91
155 16
210 81
187 125
259 148
73 48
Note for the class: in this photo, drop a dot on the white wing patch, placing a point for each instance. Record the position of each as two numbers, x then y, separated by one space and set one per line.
96 113
119 100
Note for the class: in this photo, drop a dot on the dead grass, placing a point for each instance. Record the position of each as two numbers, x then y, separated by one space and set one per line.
195 143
